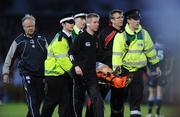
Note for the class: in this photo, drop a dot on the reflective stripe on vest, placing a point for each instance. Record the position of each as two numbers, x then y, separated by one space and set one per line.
57 56
134 51
117 53
149 50
51 72
134 63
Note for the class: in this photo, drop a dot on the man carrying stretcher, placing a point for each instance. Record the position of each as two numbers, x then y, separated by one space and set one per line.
106 76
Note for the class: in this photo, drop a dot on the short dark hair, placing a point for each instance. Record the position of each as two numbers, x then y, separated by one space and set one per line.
91 15
113 12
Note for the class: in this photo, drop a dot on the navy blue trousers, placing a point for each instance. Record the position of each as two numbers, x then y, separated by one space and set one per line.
34 91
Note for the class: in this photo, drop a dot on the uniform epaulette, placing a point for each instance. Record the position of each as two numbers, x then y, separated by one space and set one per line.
60 37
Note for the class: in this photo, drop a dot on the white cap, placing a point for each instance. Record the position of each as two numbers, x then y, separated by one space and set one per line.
66 19
80 15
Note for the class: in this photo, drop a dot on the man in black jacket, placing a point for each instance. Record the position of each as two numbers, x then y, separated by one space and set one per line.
105 43
107 35
30 49
84 53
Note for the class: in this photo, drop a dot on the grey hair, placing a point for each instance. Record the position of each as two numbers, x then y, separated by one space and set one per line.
28 16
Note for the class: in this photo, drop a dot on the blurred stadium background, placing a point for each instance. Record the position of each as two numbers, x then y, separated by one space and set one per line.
160 18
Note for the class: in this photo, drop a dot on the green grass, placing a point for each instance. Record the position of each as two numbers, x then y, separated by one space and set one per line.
20 109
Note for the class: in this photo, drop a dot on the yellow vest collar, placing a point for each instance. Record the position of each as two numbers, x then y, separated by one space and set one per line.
129 31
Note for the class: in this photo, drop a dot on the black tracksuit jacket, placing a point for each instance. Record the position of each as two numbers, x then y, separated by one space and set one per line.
84 52
105 51
31 53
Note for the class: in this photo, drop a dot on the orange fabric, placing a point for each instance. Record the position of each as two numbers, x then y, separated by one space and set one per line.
119 82
116 81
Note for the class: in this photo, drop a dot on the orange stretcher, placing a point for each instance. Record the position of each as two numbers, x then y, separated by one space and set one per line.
107 76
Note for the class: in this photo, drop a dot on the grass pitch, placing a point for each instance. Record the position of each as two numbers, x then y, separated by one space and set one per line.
20 110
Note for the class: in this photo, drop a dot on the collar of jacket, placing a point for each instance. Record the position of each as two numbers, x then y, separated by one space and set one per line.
68 34
130 32
62 34
76 29
112 28
34 35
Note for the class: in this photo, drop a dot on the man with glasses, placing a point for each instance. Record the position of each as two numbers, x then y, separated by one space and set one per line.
132 49
57 68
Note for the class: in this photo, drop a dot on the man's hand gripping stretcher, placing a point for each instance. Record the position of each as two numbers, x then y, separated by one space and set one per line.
107 76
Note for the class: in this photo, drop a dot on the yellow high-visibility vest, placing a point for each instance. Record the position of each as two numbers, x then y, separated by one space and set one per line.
58 61
135 55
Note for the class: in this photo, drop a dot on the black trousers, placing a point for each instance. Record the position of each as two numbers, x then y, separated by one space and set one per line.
134 92
104 89
59 92
87 83
34 91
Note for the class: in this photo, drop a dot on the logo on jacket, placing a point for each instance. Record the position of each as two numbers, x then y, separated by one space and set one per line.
39 36
87 44
32 41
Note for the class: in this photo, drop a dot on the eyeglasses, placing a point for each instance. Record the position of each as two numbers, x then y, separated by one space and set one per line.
118 17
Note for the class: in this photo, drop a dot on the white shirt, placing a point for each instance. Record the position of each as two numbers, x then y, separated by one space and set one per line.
67 33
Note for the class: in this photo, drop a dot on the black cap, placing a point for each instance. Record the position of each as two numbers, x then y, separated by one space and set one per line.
134 14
